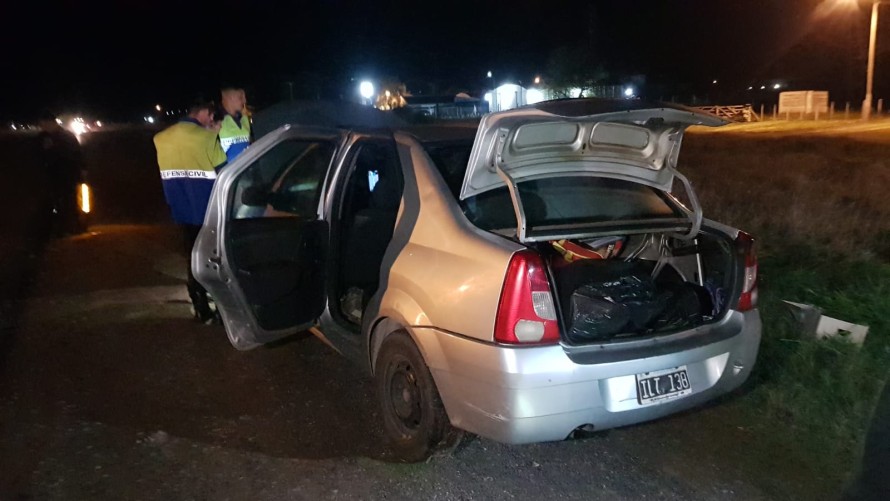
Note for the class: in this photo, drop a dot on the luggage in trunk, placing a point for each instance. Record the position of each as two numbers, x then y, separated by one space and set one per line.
605 299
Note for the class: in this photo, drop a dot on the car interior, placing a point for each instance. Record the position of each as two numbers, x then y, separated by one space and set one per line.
368 214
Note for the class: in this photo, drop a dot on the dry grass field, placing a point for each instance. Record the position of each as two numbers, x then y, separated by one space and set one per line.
828 190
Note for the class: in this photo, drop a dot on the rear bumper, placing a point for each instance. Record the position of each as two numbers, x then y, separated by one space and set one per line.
537 394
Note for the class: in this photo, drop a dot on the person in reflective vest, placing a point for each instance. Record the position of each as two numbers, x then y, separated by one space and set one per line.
234 132
189 157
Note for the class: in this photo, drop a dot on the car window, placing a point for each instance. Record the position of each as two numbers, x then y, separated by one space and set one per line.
451 160
375 179
284 182
569 200
550 201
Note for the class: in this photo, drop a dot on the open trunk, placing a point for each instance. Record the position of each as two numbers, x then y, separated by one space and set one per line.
639 285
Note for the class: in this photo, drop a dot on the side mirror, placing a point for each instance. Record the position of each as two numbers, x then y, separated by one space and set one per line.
255 196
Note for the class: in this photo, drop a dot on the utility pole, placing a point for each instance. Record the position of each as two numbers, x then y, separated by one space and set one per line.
870 72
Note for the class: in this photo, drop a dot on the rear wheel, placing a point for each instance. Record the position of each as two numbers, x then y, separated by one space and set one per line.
414 418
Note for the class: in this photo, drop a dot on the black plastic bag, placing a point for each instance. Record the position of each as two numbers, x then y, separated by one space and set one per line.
600 310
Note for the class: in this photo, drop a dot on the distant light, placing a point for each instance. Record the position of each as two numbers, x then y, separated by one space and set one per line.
158 107
533 96
777 86
58 121
387 94
714 82
575 92
13 127
629 92
78 126
488 74
762 87
537 80
750 87
150 120
98 123
366 89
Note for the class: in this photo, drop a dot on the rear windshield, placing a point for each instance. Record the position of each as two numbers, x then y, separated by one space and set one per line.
553 201
569 201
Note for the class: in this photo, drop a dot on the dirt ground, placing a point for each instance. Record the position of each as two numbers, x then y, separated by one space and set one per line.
108 390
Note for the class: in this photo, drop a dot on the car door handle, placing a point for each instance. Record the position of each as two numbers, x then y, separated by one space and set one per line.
215 260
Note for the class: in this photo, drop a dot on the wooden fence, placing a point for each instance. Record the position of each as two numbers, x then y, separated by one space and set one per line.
734 113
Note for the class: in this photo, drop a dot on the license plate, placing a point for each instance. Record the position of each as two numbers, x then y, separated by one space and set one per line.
660 386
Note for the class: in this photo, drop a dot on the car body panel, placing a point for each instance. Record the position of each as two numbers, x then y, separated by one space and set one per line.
639 145
211 262
534 394
572 138
424 282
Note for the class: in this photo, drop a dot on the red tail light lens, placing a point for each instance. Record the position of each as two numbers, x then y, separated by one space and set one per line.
748 297
526 313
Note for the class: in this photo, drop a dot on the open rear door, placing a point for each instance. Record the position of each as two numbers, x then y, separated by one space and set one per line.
262 248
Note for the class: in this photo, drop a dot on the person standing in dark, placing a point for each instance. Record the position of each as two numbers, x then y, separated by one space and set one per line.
234 132
65 170
189 157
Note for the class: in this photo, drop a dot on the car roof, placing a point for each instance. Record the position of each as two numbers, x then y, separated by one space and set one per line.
444 132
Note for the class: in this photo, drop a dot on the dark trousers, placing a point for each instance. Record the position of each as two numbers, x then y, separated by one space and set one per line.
197 293
63 209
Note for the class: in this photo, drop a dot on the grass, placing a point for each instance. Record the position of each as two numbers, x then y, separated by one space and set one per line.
819 207
821 392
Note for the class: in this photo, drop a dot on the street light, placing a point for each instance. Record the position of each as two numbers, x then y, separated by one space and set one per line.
366 89
494 98
870 72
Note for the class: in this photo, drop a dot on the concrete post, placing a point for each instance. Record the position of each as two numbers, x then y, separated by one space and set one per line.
831 110
847 111
880 105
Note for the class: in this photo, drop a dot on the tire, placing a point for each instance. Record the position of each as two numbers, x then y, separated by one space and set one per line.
414 419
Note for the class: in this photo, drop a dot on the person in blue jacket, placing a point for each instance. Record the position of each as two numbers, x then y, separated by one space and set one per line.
189 158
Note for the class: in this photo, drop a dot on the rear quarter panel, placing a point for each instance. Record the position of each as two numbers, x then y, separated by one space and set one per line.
448 274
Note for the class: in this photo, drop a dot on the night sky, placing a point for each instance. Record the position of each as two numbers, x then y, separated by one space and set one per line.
116 60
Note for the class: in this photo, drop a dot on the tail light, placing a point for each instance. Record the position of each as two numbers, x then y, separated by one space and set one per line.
84 198
745 246
526 314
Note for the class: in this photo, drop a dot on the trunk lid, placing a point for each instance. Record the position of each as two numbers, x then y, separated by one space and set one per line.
625 140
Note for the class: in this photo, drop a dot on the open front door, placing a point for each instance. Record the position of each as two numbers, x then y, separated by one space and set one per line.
261 251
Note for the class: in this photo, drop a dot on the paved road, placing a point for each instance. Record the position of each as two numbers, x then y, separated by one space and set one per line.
109 391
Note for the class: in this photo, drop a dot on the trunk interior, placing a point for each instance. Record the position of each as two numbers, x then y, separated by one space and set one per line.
616 288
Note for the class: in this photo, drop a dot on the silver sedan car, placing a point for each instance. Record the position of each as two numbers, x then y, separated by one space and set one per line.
519 280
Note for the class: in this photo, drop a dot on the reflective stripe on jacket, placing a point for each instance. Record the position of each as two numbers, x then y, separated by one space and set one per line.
234 136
